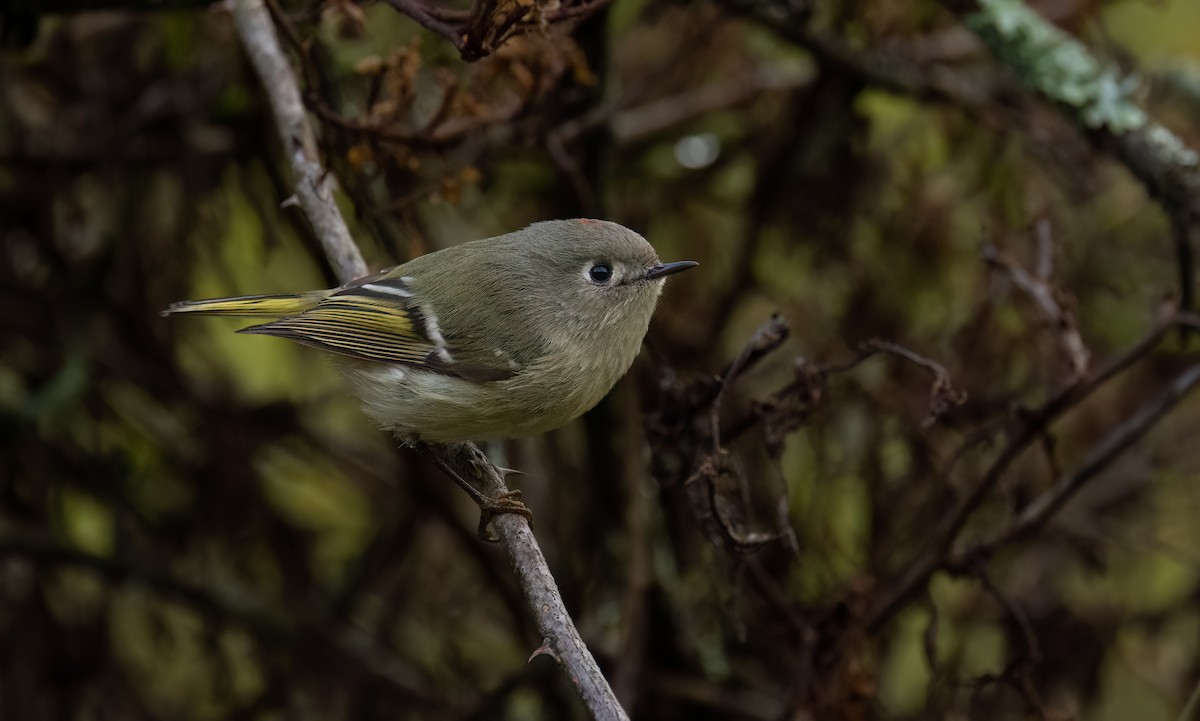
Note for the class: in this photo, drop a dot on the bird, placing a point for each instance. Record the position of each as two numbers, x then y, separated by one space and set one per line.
497 338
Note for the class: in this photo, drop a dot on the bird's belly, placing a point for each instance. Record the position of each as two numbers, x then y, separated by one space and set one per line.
426 405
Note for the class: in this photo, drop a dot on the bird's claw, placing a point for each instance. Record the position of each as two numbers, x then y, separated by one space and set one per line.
492 506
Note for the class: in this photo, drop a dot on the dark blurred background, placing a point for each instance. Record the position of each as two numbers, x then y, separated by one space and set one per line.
201 525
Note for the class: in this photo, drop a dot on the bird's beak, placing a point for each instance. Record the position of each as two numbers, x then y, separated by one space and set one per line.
662 270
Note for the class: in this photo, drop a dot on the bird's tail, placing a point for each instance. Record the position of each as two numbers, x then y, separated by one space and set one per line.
248 306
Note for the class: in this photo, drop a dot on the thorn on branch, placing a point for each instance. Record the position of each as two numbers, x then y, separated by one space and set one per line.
543 650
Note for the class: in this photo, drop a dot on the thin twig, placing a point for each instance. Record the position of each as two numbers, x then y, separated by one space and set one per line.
767 338
942 540
480 31
636 124
254 27
574 11
942 394
1045 296
541 592
313 190
423 17
1122 437
1033 651
449 15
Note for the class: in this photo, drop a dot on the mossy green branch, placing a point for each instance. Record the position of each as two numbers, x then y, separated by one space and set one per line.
1058 66
1096 94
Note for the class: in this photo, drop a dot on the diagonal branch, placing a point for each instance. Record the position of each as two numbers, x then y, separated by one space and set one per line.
1057 67
313 190
1122 437
424 17
943 539
562 640
1098 97
1048 299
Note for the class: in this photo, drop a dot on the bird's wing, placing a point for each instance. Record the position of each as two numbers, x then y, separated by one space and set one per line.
378 319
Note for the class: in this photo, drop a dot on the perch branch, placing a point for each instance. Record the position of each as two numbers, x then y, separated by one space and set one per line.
313 189
562 640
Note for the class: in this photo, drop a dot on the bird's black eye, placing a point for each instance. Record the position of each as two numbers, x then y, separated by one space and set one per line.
601 273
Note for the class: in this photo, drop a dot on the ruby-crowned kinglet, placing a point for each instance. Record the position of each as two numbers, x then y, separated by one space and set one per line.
495 338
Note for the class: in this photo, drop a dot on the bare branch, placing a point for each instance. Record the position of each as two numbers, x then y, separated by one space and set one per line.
942 394
579 10
635 124
1032 649
426 19
254 27
1094 94
941 544
313 189
1046 297
1122 437
562 640
480 31
1026 43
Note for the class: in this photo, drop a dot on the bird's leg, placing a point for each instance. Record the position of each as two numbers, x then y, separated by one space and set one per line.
489 506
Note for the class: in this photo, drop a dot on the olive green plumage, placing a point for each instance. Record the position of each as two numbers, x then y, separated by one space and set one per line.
494 338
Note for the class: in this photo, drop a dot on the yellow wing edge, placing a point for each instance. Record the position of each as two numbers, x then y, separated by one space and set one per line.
251 306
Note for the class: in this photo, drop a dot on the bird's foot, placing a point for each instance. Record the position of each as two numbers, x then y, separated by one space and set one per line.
492 506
